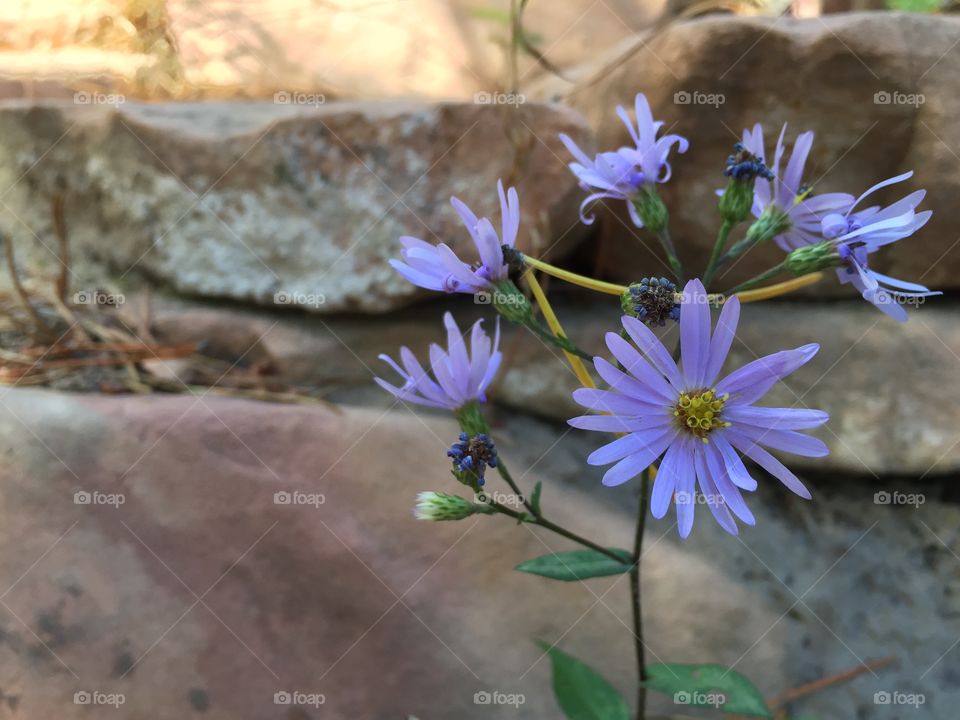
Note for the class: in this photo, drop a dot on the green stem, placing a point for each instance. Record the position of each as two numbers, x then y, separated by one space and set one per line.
766 275
667 243
718 247
563 343
635 594
508 479
553 527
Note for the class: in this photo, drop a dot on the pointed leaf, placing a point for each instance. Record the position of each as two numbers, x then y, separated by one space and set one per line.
535 498
581 692
577 565
707 685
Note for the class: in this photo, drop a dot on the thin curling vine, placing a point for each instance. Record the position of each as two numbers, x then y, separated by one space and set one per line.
680 424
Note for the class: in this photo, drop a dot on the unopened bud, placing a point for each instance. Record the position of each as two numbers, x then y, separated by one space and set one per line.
439 506
511 303
812 258
651 209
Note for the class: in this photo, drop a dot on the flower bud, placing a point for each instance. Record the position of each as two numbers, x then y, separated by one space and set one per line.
441 506
743 169
651 209
811 258
736 201
771 223
511 303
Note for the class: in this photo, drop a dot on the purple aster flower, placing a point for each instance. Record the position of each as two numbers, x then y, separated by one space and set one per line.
857 233
650 153
459 377
620 175
785 199
699 425
437 267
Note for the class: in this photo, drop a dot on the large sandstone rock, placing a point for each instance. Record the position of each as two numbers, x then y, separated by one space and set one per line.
159 49
877 88
889 388
251 200
368 50
199 595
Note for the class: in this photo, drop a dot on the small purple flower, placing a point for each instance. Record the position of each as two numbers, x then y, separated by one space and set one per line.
694 422
857 233
650 153
458 378
620 175
437 267
785 195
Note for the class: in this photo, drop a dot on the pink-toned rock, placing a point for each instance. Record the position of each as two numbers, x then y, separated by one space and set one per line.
200 593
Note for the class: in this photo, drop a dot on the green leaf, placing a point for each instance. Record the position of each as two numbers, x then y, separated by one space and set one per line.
535 498
577 565
707 686
581 692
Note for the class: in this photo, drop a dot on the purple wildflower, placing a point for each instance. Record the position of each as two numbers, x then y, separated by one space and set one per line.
458 378
620 175
785 196
857 233
650 153
437 267
696 423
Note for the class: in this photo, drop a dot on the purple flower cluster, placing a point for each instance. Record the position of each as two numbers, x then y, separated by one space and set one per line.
694 421
621 174
855 234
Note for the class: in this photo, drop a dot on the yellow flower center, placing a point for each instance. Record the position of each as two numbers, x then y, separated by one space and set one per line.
698 412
